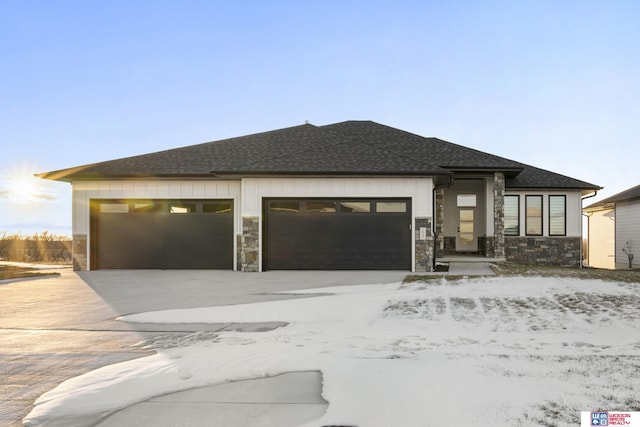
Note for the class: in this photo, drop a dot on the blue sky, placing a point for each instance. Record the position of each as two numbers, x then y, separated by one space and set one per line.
554 84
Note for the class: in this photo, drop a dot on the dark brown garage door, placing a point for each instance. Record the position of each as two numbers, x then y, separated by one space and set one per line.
343 234
162 234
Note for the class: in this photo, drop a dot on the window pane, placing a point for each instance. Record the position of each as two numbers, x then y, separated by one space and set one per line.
320 206
466 200
557 216
511 215
284 206
466 215
182 208
147 207
534 215
355 207
216 207
466 227
399 207
114 207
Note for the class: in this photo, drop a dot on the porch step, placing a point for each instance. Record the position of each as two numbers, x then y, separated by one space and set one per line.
475 268
468 258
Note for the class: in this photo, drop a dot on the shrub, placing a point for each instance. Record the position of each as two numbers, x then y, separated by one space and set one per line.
39 247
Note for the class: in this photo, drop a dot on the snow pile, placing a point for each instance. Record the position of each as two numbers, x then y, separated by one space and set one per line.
490 351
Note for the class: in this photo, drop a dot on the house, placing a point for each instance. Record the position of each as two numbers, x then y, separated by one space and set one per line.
614 230
350 195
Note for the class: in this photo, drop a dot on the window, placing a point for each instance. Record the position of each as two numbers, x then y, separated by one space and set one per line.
284 206
355 207
108 207
533 206
395 207
147 207
511 215
557 215
320 206
466 200
216 207
182 208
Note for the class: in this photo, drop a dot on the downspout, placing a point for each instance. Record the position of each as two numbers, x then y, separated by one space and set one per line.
595 193
433 222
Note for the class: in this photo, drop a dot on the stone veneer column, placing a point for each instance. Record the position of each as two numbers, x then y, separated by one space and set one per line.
498 214
424 246
79 252
249 245
439 223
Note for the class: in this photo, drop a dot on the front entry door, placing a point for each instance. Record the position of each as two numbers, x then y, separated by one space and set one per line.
466 239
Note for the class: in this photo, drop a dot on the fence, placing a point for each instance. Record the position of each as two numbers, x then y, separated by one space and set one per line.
42 247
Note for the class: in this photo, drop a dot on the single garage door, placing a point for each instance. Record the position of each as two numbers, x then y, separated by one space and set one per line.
338 234
162 234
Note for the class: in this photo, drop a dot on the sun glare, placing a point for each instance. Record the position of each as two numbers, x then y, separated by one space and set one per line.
21 186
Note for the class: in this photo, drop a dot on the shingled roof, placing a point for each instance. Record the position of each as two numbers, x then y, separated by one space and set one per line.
624 196
348 148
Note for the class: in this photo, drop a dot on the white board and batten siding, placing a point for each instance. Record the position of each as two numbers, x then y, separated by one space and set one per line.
85 191
419 190
627 230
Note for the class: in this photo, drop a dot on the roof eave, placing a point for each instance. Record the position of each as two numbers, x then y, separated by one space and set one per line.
272 174
508 171
115 177
584 190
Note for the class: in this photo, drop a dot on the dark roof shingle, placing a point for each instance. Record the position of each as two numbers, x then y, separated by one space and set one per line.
346 148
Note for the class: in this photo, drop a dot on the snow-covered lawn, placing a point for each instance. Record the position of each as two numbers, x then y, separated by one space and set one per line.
483 352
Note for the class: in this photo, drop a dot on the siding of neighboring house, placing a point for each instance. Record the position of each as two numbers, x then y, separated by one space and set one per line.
602 230
627 230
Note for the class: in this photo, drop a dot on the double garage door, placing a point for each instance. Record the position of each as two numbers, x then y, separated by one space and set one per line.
298 234
337 234
162 234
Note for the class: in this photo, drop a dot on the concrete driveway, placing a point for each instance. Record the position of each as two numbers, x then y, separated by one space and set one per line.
57 328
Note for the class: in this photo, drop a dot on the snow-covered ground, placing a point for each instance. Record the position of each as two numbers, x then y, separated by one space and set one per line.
483 352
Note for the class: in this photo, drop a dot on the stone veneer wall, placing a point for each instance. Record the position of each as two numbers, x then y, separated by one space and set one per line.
487 246
79 252
423 247
498 216
440 244
556 251
249 245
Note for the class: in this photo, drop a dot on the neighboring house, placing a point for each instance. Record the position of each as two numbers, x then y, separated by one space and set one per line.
351 195
614 230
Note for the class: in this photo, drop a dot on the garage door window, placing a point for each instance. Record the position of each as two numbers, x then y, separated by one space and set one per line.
284 206
182 208
114 208
216 208
147 207
320 206
391 207
355 207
